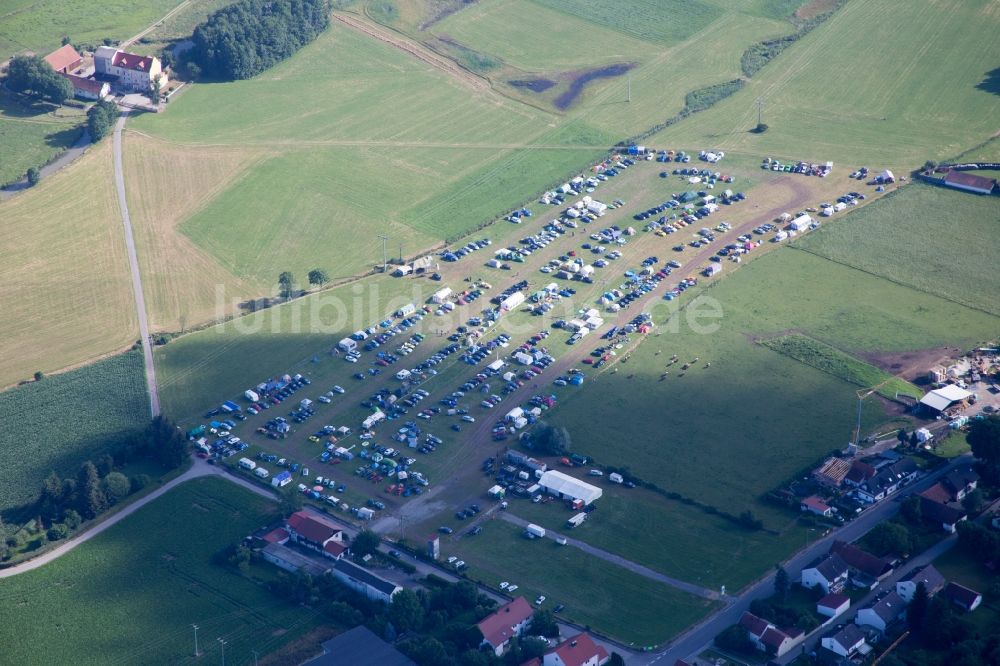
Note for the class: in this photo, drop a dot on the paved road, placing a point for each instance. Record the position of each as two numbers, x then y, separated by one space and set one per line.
695 640
66 158
646 572
133 264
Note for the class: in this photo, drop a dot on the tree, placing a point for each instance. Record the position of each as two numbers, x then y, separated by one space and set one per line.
33 76
901 436
33 176
39 375
917 609
365 543
984 438
427 652
616 660
93 501
886 538
51 498
405 611
105 464
57 532
781 583
101 118
911 510
543 623
941 628
154 88
552 440
72 519
973 501
531 647
286 283
117 486
735 639
318 277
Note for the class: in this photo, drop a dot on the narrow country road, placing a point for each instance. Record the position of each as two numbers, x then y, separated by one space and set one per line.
133 264
66 158
645 572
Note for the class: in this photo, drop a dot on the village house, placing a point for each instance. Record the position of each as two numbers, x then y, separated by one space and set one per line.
361 580
577 651
767 637
68 64
814 504
966 599
859 473
829 573
941 503
886 481
64 60
313 532
129 71
505 623
866 570
886 610
833 605
832 472
846 642
931 578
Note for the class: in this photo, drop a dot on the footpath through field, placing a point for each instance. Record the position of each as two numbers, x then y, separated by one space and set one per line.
133 263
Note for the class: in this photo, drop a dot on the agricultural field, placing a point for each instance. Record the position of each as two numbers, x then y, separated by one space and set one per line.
64 278
132 593
639 612
930 238
40 25
932 105
59 422
31 134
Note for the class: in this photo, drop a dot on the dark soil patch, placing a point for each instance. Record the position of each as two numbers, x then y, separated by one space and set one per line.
580 81
814 8
911 365
534 85
444 11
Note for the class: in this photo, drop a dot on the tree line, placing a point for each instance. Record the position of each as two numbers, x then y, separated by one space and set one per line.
31 75
246 38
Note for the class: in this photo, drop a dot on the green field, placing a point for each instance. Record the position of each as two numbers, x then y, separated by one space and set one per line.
671 537
131 594
825 100
40 25
32 134
639 611
652 20
843 366
59 422
930 238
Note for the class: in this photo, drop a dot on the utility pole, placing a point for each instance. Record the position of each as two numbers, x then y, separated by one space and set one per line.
629 88
760 110
385 259
254 657
196 652
400 253
223 644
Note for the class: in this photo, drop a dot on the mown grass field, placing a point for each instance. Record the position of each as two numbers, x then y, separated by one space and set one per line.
828 100
728 433
843 366
931 238
40 25
671 537
64 276
131 594
59 422
32 134
638 611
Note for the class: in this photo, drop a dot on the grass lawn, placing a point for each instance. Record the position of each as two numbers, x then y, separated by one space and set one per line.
40 25
651 20
671 537
931 238
132 593
64 279
954 445
32 134
826 101
612 600
59 422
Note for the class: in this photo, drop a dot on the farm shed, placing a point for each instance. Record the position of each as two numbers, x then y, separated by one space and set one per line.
291 560
969 182
941 399
565 486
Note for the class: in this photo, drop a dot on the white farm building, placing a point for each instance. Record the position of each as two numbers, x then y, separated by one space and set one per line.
565 486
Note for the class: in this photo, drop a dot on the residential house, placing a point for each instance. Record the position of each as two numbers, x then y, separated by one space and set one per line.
966 599
828 572
931 578
859 473
130 71
866 570
64 60
833 605
311 531
88 88
767 637
577 651
948 516
361 580
886 481
846 642
886 610
359 647
832 472
505 623
814 504
960 482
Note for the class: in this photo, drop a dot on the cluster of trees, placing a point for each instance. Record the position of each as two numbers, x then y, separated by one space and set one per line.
245 38
101 118
551 440
286 281
33 76
938 628
980 543
984 438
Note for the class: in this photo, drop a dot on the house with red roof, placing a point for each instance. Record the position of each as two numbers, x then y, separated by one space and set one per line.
963 597
581 650
833 605
505 623
970 182
814 504
312 531
64 60
130 71
767 637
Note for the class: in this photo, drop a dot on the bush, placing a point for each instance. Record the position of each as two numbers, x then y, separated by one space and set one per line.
57 532
101 118
33 177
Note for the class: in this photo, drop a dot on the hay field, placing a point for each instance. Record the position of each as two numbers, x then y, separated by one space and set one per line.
828 97
64 279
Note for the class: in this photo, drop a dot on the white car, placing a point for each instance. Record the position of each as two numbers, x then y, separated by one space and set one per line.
338 389
511 588
459 564
451 560
469 419
504 585
540 600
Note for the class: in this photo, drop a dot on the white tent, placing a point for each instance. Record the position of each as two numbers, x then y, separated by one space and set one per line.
568 487
942 398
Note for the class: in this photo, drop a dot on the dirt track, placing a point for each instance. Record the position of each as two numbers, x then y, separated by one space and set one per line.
421 53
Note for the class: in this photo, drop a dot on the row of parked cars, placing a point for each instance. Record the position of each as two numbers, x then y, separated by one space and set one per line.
468 248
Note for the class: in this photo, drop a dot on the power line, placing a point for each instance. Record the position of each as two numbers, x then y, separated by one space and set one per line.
760 109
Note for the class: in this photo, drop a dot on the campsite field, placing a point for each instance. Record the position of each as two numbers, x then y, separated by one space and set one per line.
64 277
931 103
930 238
59 422
639 612
133 592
